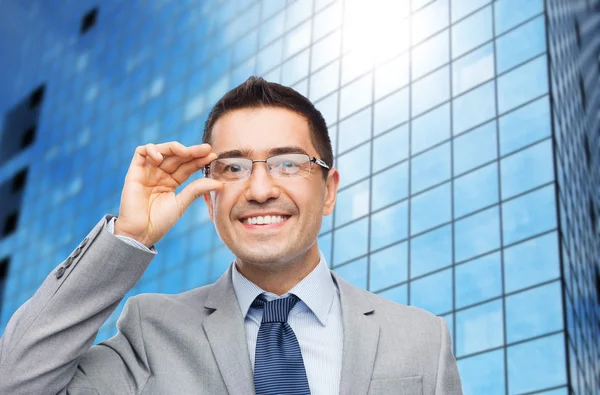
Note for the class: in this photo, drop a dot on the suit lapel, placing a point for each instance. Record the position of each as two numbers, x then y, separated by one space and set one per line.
225 331
361 336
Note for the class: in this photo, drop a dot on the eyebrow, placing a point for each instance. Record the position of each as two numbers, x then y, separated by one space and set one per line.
247 153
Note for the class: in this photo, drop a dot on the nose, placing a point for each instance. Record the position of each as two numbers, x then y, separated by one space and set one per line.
261 187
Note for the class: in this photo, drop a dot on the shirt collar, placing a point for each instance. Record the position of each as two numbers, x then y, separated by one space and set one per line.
316 290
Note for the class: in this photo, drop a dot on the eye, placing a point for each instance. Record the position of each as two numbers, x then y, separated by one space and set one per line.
233 168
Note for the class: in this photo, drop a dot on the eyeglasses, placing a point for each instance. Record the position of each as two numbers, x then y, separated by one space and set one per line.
228 170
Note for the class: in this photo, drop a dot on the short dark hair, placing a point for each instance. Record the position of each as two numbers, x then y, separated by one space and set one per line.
255 92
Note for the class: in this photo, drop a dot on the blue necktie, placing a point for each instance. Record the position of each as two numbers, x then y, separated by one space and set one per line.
278 365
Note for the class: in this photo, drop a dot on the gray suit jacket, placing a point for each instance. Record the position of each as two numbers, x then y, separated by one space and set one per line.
194 342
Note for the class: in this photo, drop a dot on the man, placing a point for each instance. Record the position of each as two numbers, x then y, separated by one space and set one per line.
277 322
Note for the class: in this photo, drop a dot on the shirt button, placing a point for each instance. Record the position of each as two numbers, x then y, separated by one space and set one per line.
76 252
69 261
60 272
84 242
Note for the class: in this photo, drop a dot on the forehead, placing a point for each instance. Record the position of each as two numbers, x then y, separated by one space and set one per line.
261 129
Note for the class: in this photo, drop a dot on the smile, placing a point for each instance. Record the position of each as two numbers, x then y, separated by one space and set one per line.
265 220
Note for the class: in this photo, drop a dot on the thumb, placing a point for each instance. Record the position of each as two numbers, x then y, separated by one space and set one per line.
194 190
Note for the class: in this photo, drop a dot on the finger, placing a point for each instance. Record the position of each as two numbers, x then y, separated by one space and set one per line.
144 153
185 170
175 148
194 190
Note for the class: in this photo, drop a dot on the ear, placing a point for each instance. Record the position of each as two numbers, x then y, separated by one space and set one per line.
331 187
208 200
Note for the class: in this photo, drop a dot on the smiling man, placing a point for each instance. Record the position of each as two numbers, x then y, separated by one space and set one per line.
278 321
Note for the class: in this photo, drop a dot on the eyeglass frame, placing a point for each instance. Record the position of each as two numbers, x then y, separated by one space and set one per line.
314 159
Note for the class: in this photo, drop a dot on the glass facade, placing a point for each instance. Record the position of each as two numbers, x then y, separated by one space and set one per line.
462 129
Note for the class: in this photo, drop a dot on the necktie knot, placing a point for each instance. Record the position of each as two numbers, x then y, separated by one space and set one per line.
276 310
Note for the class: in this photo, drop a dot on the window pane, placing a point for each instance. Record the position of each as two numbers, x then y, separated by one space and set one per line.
531 262
354 65
328 108
391 76
522 84
430 54
430 91
477 234
483 99
461 8
398 294
483 374
429 20
326 50
528 215
295 69
354 130
389 226
476 190
525 125
297 39
521 44
352 203
391 111
354 165
390 148
324 81
478 280
430 168
430 209
354 272
269 57
475 148
431 251
390 186
388 267
353 98
509 13
537 364
271 29
472 32
534 312
479 328
350 241
327 20
438 302
527 169
472 69
324 242
431 128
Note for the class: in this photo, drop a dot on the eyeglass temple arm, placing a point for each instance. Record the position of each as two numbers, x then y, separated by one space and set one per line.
319 162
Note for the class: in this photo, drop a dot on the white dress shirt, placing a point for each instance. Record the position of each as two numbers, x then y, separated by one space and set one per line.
316 320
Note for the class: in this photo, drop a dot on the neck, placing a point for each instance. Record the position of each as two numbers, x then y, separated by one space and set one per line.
285 276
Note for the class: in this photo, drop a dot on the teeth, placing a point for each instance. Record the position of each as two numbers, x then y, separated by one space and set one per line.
265 220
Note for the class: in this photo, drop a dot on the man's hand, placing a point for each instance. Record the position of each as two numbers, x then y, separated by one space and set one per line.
149 205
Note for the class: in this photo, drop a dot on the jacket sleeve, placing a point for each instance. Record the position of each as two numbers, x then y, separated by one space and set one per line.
448 379
46 343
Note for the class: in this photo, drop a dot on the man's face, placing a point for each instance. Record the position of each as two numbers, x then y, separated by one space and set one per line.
300 201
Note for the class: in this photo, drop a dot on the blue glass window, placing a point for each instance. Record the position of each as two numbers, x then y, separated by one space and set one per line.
472 69
391 76
523 84
430 55
297 39
483 374
390 186
354 165
324 81
297 12
327 223
477 234
525 42
388 267
324 242
328 108
389 226
525 125
534 312
430 209
461 8
295 69
429 20
422 295
483 99
509 13
350 241
354 65
354 130
528 215
390 148
472 31
431 251
391 111
430 91
531 262
478 280
245 47
269 57
430 129
353 98
476 190
398 294
479 328
537 364
475 148
327 20
527 169
326 50
354 272
352 203
430 168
